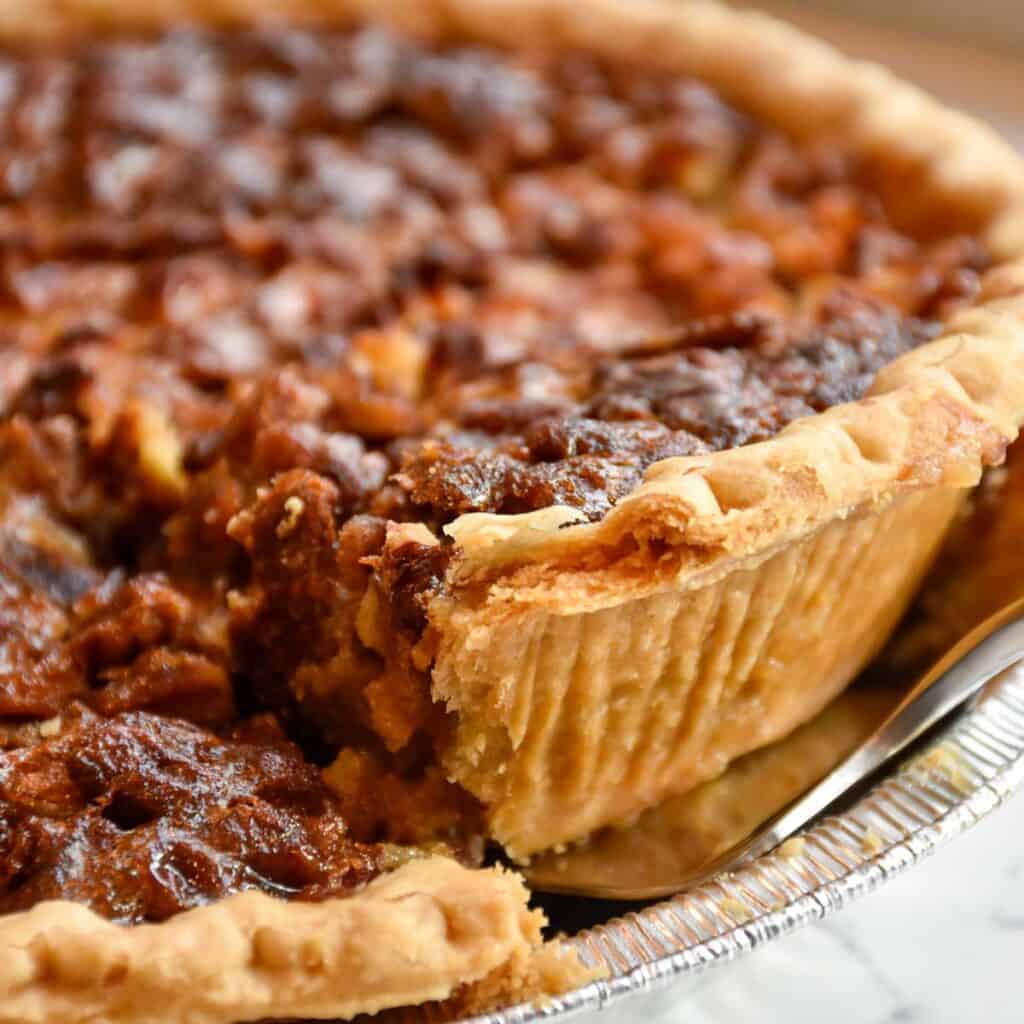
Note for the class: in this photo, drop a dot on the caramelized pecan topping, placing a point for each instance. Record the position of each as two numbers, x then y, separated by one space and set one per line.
280 304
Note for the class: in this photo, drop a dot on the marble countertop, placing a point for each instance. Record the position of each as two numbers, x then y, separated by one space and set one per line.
942 943
939 944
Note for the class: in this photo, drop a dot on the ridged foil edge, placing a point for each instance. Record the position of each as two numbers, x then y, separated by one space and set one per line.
970 767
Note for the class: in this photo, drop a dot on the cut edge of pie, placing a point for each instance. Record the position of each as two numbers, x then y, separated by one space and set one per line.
837 497
547 633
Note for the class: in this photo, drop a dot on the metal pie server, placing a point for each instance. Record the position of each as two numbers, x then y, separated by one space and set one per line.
984 653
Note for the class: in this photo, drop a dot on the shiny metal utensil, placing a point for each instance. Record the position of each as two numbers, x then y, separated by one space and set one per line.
978 658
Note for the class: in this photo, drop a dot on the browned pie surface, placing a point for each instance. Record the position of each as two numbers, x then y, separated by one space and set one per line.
143 816
275 307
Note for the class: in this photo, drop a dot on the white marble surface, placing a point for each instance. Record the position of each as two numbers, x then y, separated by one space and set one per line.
944 942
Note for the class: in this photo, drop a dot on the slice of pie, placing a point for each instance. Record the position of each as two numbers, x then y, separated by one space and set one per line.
427 428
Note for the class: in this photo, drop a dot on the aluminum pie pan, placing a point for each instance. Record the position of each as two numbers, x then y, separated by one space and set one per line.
967 769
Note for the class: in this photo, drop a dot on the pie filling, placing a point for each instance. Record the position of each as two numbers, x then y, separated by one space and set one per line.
276 307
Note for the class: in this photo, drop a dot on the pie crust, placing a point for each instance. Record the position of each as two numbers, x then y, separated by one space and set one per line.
414 935
595 670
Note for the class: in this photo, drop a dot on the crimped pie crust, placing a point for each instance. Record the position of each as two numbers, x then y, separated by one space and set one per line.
417 934
561 649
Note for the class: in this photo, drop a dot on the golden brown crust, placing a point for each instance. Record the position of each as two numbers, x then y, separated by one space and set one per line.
571 721
933 418
418 934
547 627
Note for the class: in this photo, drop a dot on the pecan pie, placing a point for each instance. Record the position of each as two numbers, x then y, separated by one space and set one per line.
427 426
